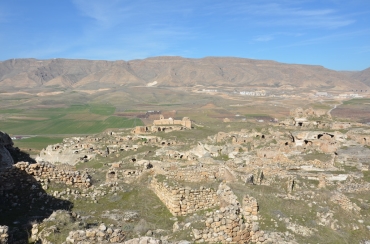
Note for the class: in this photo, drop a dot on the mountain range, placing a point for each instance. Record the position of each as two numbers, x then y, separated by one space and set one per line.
176 72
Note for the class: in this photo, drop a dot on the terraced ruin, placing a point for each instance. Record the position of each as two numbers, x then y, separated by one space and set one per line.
304 179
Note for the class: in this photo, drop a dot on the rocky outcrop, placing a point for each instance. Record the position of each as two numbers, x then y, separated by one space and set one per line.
6 159
23 200
66 154
6 143
4 234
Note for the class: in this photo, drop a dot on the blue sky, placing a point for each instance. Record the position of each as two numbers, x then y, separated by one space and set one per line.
331 33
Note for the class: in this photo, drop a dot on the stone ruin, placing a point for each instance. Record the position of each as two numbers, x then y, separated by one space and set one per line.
308 118
118 174
283 155
228 222
101 234
232 223
68 152
185 122
163 124
184 200
50 172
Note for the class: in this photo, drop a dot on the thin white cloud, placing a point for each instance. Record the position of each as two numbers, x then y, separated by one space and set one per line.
131 28
331 37
105 13
286 13
263 38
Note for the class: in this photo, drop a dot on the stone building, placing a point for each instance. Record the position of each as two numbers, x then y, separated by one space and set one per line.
185 122
163 124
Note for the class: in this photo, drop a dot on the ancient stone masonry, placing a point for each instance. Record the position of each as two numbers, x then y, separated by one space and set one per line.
4 234
68 153
194 173
83 149
317 138
40 232
232 223
344 202
116 173
296 167
224 226
101 234
52 173
250 208
349 187
309 118
360 136
164 125
184 200
143 240
186 122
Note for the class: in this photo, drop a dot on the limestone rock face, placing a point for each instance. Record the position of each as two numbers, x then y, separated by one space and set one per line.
6 159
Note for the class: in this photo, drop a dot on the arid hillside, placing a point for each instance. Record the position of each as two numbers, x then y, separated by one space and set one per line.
173 72
363 76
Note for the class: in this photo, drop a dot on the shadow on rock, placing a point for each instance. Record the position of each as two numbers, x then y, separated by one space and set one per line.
20 156
23 201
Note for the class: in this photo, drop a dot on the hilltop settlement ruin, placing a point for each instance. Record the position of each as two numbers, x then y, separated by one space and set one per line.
304 179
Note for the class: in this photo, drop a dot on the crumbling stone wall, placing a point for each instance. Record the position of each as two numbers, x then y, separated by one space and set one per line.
344 202
101 234
184 200
360 137
194 174
250 208
127 176
115 173
53 173
232 223
225 225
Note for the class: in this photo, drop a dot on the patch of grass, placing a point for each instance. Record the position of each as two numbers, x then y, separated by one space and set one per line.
102 109
76 119
222 157
359 101
366 176
149 207
37 142
10 111
256 115
323 157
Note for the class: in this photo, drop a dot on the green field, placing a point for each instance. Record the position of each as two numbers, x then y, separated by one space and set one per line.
357 101
37 143
76 119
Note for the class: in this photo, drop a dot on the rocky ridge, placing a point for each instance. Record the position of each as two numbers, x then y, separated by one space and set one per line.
173 72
